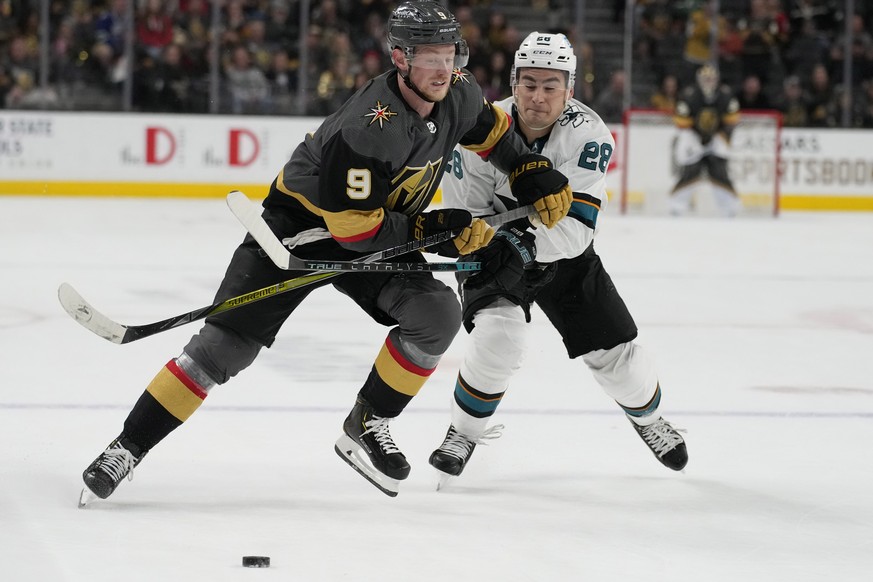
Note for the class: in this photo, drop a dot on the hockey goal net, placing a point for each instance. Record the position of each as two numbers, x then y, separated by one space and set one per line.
650 170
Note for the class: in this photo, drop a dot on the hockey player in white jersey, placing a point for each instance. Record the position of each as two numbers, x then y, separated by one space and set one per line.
557 268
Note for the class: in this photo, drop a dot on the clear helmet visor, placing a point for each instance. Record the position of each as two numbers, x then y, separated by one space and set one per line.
548 88
438 57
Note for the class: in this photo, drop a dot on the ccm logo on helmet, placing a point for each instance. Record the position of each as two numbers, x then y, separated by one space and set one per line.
527 168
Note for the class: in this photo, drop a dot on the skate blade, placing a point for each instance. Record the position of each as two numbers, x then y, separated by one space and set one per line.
351 452
444 480
86 498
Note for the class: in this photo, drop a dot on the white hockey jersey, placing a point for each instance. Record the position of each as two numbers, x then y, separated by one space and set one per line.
580 145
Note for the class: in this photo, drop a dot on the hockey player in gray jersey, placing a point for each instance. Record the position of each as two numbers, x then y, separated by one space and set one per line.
360 183
558 269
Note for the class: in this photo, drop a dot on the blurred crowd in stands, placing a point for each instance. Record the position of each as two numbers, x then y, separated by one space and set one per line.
776 54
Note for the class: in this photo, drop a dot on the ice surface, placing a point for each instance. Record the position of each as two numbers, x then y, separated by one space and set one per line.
763 334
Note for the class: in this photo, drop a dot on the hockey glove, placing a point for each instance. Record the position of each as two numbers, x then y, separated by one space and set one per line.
504 260
475 234
535 181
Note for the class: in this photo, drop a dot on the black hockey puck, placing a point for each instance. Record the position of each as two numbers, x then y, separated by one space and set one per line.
256 561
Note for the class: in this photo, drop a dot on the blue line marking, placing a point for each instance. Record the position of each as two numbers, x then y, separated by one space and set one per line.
519 411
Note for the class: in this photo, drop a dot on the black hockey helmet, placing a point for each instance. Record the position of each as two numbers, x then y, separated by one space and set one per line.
423 22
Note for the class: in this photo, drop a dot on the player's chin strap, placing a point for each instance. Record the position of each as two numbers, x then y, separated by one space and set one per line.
412 86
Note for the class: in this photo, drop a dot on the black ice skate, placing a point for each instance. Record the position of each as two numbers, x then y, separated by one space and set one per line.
665 442
106 472
366 445
452 456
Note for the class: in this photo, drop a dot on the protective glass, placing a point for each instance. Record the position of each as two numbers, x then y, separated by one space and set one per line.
549 88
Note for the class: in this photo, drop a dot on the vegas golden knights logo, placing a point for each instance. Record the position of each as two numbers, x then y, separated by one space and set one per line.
413 188
707 120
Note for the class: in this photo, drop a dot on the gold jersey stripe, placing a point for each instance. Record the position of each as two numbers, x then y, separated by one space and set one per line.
398 377
501 126
174 395
353 225
280 184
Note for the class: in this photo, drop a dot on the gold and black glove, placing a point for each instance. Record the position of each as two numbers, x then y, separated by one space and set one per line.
475 232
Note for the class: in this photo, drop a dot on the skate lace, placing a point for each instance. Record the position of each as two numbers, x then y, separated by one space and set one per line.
461 446
662 437
378 427
117 462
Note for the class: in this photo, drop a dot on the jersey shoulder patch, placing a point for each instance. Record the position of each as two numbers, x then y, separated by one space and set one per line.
465 95
579 124
375 122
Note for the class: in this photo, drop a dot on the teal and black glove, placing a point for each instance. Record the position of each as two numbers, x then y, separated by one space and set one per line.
504 260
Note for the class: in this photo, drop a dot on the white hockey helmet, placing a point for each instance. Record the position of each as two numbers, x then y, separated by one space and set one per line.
545 51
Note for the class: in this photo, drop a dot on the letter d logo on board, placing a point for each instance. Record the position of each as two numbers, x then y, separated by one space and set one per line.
160 146
244 147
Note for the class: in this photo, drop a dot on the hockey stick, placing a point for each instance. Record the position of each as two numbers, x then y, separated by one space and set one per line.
94 321
249 214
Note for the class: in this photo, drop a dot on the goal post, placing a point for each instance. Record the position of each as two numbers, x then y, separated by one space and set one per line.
650 170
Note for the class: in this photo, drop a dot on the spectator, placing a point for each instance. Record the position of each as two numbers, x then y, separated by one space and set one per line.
698 39
234 20
154 29
326 14
21 70
373 40
498 77
793 103
110 30
283 83
247 85
655 22
163 85
495 33
751 95
862 45
670 51
664 98
281 29
254 37
192 23
761 39
808 48
111 27
371 64
63 53
730 51
609 102
821 105
335 86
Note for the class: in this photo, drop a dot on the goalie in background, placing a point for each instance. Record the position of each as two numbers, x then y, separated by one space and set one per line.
706 115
